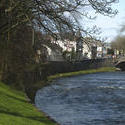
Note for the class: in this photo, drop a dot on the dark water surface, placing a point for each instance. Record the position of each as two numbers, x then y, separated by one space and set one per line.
94 99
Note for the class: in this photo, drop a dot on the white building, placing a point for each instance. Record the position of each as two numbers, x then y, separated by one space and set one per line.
54 53
91 48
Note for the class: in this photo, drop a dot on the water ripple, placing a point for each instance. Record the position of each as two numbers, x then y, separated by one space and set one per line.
94 99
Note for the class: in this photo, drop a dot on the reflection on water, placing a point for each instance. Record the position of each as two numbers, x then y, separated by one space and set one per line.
94 99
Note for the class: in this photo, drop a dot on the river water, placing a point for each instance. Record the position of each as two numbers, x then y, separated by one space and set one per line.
93 99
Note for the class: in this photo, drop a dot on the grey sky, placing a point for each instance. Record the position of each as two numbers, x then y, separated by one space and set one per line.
111 26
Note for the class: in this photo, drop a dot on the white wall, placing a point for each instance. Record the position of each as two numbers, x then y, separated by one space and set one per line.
86 49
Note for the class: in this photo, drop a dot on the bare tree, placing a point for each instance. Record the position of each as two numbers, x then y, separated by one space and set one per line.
50 15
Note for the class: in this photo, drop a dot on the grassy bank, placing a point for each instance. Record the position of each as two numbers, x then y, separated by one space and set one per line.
103 69
15 110
33 89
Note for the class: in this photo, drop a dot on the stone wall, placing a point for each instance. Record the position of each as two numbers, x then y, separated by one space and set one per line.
63 67
51 68
34 78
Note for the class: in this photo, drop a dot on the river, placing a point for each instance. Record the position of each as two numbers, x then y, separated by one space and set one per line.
93 99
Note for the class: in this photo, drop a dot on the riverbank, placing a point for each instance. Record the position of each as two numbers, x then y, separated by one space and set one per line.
16 110
103 69
31 92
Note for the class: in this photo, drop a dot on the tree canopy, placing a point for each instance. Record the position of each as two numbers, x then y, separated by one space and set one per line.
49 15
20 19
119 43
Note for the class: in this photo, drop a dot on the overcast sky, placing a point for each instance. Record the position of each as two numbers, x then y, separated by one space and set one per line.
110 26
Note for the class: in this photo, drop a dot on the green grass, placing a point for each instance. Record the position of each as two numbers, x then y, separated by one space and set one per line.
103 69
15 110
